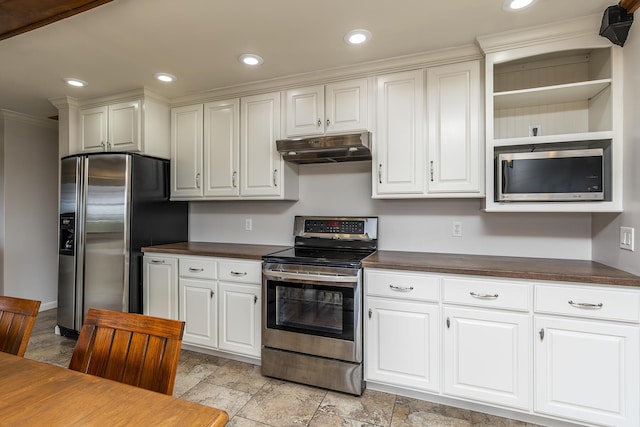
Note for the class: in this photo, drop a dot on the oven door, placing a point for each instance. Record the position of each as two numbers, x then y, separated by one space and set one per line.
313 310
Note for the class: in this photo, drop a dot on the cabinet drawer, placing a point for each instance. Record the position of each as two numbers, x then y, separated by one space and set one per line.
597 303
486 293
403 285
202 268
239 271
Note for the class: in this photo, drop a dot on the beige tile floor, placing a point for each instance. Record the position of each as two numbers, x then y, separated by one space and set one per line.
252 400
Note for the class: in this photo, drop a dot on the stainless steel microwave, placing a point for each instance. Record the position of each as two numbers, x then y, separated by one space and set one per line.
545 176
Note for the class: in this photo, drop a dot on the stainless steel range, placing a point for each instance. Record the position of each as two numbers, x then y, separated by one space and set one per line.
312 293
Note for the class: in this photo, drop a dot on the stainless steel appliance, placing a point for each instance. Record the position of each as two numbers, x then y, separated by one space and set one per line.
312 293
111 205
561 175
326 149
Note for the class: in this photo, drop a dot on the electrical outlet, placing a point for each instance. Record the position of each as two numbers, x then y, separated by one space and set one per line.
627 238
456 230
535 130
248 224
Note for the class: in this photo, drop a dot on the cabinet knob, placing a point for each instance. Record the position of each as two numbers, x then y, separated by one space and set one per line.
401 288
157 261
585 304
255 299
431 170
380 173
370 313
108 146
483 296
104 146
319 122
212 294
198 180
238 273
541 333
233 179
275 177
448 323
328 122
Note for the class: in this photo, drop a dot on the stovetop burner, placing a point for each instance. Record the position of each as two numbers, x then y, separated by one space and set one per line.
330 241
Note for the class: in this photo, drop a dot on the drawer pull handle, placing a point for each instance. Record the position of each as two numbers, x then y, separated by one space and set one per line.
585 305
238 273
401 288
157 261
196 270
483 296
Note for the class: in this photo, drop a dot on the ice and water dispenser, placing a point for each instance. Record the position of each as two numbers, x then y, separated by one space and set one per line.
67 233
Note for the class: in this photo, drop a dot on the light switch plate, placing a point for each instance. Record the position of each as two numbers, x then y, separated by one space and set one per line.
627 238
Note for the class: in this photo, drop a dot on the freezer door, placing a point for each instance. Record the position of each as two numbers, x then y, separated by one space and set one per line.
106 257
68 232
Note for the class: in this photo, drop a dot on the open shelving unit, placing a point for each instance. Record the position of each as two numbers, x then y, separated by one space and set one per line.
567 88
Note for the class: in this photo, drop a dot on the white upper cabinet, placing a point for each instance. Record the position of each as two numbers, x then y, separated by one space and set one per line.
139 124
186 151
218 156
222 148
399 158
454 123
263 172
564 92
114 127
429 148
333 108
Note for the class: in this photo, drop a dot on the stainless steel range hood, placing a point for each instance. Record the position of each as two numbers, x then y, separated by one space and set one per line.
326 149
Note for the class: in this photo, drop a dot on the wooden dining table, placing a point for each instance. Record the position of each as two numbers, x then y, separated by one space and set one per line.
38 394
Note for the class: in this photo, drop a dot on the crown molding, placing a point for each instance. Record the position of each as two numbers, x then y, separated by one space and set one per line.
368 69
583 27
27 119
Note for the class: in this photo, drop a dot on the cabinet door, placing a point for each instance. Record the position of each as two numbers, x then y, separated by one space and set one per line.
221 148
403 343
305 111
346 106
160 287
587 371
198 309
454 154
487 356
260 162
186 151
93 129
400 147
124 127
239 308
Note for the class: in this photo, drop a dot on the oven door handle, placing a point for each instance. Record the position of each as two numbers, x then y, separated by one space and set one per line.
325 278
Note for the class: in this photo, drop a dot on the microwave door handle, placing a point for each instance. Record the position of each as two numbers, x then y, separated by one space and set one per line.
504 176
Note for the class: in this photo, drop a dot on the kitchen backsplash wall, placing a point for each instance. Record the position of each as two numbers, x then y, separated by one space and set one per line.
406 225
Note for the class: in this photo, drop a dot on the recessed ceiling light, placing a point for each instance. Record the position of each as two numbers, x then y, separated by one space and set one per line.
165 77
75 82
512 5
250 59
357 36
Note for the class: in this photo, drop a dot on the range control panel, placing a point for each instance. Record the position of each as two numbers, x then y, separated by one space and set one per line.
334 226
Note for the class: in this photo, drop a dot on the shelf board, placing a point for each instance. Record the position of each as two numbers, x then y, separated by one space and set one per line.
558 94
549 139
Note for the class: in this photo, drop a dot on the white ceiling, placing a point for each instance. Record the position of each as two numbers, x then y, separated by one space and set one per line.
120 45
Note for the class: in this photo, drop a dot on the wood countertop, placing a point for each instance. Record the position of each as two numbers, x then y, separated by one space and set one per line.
225 250
561 270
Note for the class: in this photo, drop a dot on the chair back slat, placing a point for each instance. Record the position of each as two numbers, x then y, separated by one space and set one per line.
130 348
17 317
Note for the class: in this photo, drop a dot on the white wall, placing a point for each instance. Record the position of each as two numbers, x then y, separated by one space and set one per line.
606 227
30 182
418 225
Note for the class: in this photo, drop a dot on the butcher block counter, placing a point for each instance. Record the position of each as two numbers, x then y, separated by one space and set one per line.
226 250
500 266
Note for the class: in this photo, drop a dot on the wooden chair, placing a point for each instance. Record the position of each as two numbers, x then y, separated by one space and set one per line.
134 349
17 317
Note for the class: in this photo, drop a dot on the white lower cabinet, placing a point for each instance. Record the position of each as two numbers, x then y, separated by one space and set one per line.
557 353
239 311
487 355
219 299
587 371
160 287
393 357
199 310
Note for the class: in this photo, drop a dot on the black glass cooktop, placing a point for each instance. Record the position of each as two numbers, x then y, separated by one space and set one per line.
319 256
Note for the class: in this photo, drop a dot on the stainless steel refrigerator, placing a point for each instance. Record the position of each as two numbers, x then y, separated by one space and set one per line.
111 205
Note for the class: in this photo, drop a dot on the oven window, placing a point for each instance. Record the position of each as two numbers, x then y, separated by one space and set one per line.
312 309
